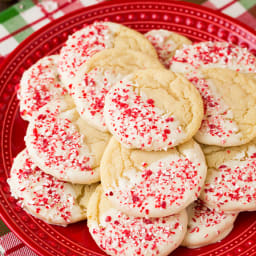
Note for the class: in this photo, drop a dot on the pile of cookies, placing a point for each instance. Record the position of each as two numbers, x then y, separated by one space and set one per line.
112 122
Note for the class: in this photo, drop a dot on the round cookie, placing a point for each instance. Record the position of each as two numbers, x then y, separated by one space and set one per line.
230 107
153 109
152 184
39 85
166 43
213 55
96 37
64 145
231 179
45 197
219 70
99 74
120 234
206 226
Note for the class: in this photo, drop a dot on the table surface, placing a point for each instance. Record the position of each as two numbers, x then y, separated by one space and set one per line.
243 10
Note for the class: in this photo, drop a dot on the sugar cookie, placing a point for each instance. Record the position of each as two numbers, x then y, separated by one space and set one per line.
39 85
213 55
99 74
96 37
45 197
231 179
230 107
219 70
153 109
152 184
120 234
206 226
166 43
64 145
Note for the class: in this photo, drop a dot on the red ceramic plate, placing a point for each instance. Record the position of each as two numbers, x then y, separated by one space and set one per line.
195 22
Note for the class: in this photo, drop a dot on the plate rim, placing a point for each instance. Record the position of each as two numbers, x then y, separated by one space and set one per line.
3 215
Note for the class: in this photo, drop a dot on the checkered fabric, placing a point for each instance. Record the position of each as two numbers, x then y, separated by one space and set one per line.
22 19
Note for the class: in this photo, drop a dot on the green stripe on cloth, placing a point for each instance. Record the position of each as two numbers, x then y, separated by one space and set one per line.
3 229
247 4
14 23
8 14
24 34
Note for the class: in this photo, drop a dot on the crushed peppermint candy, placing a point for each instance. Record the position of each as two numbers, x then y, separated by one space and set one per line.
213 54
89 95
164 45
39 85
40 193
231 186
206 217
120 234
206 225
55 143
218 126
136 122
217 122
159 189
83 44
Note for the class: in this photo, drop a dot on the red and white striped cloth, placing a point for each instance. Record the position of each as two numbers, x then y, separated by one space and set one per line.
10 245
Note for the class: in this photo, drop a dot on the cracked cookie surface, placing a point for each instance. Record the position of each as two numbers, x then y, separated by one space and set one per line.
230 107
39 85
120 234
42 195
230 184
64 145
152 184
96 37
100 73
153 109
224 74
206 226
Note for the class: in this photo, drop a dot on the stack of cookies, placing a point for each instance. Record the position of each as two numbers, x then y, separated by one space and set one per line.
110 138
